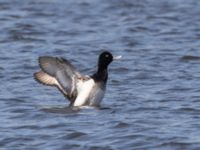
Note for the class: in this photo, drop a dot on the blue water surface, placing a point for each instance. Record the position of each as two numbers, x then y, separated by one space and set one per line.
153 93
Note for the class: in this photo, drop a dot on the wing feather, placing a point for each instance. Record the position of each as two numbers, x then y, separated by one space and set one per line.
59 72
44 78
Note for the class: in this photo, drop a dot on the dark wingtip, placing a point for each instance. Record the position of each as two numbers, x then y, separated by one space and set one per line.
40 61
48 64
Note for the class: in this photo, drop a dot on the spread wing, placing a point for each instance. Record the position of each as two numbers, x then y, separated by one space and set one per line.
59 72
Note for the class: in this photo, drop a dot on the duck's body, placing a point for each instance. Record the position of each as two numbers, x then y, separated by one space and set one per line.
78 89
89 93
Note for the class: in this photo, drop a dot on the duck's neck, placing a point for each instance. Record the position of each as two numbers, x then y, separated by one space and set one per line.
101 74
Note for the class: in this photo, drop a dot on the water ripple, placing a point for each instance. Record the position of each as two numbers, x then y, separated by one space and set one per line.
152 99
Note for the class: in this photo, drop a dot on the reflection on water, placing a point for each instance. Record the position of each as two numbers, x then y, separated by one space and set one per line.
152 100
61 110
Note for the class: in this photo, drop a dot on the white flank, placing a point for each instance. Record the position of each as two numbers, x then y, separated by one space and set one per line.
96 96
84 89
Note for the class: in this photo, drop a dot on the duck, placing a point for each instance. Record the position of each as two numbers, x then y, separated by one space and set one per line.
80 90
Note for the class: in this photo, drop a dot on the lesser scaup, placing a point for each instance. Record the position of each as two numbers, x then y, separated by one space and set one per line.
78 89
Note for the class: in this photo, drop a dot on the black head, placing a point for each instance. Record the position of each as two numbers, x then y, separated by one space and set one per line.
105 59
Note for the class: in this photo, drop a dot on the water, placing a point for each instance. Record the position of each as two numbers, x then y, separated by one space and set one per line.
153 96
